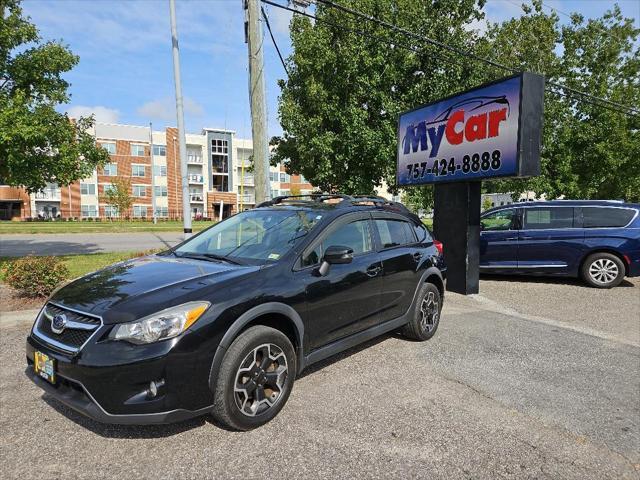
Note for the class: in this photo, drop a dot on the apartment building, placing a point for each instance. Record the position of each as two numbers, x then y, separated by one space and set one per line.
218 174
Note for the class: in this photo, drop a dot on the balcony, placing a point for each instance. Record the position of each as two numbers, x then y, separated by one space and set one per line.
247 199
48 195
247 181
196 198
196 179
194 159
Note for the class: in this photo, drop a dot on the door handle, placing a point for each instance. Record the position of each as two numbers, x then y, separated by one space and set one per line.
526 238
417 256
511 238
373 270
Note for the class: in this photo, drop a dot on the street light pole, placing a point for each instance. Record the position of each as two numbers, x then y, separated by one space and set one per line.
186 205
153 176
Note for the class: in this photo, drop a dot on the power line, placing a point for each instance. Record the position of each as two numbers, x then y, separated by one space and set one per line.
469 55
584 97
394 44
273 39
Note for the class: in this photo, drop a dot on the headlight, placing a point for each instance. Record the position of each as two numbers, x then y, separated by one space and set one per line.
166 324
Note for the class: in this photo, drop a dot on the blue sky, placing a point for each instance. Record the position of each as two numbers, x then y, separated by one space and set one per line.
125 72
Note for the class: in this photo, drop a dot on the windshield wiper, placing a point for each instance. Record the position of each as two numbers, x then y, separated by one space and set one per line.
222 258
208 257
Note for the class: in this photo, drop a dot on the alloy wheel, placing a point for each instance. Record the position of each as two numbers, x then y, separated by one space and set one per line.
260 379
603 271
429 312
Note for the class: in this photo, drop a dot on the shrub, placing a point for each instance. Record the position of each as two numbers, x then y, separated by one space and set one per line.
35 276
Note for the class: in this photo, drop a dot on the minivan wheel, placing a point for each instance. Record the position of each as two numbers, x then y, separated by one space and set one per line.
603 270
426 316
255 378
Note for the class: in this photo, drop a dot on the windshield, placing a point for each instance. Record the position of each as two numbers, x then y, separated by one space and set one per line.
254 236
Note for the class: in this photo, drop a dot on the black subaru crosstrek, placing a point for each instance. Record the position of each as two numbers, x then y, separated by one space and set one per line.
224 322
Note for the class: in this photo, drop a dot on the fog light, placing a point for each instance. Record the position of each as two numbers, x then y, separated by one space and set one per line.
153 388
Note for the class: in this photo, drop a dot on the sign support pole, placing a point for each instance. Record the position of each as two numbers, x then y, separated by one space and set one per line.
456 223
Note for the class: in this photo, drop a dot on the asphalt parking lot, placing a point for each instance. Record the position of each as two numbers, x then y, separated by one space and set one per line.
535 379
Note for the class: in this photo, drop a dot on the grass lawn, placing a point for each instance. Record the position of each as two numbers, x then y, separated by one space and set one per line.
97 227
79 265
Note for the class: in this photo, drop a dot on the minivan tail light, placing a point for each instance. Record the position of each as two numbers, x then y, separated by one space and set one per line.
439 246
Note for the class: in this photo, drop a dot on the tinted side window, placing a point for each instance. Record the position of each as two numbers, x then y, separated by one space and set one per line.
594 217
355 235
422 234
394 233
550 217
498 220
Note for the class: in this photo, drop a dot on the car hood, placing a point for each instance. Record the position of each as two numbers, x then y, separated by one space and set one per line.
129 290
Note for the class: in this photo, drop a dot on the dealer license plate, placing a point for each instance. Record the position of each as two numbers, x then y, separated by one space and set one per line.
45 366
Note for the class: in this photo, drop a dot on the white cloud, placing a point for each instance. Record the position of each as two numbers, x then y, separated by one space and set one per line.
165 109
103 114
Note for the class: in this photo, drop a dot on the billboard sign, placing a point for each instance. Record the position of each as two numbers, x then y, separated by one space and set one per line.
487 132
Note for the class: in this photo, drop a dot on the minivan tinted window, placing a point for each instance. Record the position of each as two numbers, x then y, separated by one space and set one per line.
540 218
602 217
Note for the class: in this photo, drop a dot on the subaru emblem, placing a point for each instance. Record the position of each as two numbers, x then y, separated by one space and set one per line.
58 323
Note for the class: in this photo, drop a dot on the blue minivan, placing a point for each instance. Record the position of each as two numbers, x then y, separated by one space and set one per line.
598 241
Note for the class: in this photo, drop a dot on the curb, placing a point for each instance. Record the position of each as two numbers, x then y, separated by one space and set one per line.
19 317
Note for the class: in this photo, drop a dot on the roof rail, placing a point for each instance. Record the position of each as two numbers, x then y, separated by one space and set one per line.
345 201
312 197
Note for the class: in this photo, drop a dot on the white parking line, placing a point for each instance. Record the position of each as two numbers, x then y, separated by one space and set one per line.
496 307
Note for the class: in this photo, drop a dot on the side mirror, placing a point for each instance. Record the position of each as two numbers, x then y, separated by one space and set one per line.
335 255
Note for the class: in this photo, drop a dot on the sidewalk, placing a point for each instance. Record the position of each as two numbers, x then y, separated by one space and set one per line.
20 317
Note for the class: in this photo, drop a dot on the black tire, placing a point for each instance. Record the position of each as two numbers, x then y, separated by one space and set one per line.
247 408
603 270
420 327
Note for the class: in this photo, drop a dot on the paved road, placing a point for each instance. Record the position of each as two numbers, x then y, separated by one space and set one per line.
492 395
68 243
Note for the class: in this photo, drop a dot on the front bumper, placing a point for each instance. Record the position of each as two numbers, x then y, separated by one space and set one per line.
76 397
109 381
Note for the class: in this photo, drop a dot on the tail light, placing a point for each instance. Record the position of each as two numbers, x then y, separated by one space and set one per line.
439 246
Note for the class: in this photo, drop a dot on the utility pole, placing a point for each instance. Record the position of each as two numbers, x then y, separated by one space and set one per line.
186 204
257 95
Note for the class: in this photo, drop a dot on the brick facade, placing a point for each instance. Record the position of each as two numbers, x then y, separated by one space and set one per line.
205 200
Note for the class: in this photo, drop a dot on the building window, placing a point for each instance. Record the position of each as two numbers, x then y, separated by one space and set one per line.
110 169
161 191
139 191
160 170
140 211
88 211
87 189
137 170
110 211
160 150
220 163
109 188
285 178
273 176
137 150
162 211
219 146
194 155
109 147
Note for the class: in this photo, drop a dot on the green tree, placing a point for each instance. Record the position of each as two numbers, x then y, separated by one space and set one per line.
38 145
119 196
486 203
588 151
340 103
339 106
